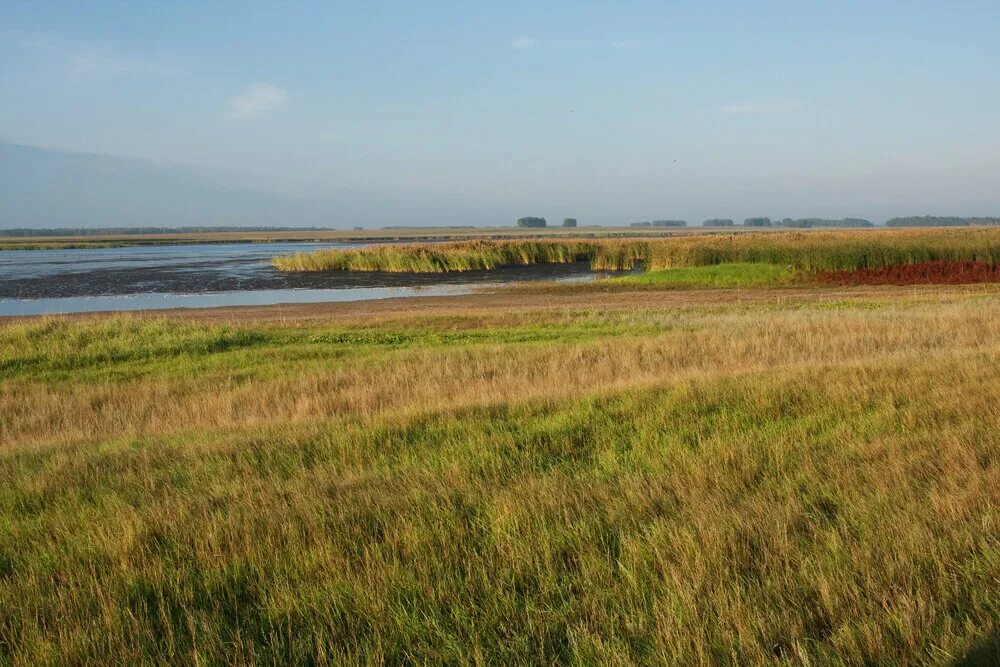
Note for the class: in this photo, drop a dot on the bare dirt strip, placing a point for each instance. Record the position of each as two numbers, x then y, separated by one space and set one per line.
514 301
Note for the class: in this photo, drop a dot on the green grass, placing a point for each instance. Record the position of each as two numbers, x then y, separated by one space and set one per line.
131 347
772 483
716 275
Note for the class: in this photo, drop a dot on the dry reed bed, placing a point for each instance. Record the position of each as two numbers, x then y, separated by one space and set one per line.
611 254
807 251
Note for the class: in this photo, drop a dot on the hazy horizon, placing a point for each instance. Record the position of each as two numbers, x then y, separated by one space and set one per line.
312 115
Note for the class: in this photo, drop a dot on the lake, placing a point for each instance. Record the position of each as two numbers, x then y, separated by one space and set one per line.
34 282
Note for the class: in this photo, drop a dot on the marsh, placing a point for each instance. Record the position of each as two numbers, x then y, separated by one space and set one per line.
34 282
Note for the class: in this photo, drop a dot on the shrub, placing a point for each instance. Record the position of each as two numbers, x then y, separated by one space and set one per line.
531 221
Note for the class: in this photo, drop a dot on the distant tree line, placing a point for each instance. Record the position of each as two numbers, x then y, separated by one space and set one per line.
105 231
531 221
823 222
661 223
569 222
718 222
805 223
396 227
939 221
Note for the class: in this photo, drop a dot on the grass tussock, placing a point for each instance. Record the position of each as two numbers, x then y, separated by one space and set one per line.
784 481
804 251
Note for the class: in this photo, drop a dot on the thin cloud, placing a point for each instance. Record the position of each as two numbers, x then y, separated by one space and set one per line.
258 98
84 62
26 40
524 42
102 64
751 108
623 44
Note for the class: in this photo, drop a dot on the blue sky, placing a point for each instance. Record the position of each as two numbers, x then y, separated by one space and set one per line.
608 111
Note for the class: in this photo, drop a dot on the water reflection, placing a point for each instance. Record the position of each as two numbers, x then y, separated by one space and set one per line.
159 301
34 282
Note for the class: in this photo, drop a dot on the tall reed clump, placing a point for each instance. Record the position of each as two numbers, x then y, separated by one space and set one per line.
805 251
468 256
829 251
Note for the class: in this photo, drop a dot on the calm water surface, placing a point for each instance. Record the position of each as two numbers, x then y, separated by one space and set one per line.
34 282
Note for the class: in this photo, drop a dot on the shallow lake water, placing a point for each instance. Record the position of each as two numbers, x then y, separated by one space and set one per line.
34 282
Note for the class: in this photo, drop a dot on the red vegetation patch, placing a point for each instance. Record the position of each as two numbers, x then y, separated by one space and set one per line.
945 272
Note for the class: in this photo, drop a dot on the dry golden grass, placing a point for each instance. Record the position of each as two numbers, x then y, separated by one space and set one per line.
788 478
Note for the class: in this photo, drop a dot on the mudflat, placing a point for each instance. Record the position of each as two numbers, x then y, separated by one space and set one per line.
544 298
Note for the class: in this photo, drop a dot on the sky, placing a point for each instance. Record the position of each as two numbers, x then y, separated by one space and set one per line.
475 113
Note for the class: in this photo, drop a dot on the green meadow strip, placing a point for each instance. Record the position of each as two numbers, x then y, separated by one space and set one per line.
126 346
713 276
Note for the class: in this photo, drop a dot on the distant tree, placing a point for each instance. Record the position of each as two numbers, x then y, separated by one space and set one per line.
569 222
940 221
669 223
640 224
854 222
531 221
718 222
757 222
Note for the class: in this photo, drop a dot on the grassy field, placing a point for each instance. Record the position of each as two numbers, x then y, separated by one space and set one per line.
808 251
746 477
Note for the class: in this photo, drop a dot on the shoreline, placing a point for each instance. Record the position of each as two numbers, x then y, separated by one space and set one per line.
531 298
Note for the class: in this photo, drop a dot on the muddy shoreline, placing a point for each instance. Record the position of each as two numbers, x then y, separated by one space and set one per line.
202 277
507 303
